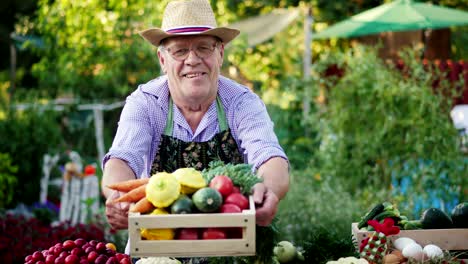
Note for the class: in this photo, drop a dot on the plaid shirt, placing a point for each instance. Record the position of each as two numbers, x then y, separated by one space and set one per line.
144 115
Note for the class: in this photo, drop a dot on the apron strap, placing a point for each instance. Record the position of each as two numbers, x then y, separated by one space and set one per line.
169 121
223 125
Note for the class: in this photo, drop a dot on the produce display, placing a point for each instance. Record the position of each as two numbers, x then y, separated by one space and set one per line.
188 191
386 244
431 218
79 251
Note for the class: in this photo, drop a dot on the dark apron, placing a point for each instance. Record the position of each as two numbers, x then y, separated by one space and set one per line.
174 153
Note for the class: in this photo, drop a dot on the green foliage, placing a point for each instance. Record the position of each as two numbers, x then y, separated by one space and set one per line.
92 47
297 133
27 136
8 180
375 116
317 213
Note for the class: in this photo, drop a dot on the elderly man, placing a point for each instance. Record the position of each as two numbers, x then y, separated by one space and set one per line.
192 115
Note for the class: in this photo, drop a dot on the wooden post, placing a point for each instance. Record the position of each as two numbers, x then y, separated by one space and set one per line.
48 163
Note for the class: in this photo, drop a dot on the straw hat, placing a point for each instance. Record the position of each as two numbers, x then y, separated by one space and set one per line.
193 17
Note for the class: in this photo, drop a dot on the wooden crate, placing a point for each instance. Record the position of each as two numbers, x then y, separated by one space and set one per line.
244 246
448 239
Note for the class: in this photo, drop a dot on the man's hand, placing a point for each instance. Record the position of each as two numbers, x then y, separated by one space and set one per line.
266 203
117 213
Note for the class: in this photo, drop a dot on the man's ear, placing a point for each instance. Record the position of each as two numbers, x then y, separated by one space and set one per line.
221 53
162 61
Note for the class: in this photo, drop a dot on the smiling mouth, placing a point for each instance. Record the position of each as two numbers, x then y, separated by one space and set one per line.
193 75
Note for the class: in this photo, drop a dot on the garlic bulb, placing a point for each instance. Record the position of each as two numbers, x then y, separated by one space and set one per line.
414 251
402 242
433 251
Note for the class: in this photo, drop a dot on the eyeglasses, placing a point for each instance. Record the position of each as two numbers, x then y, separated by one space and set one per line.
181 53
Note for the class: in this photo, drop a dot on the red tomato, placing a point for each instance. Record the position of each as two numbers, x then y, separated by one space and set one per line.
236 189
214 233
230 208
223 184
188 234
238 199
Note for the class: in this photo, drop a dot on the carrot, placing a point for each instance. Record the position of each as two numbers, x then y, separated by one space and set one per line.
127 186
142 206
133 196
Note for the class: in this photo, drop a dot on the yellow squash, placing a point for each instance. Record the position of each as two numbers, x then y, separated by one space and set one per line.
162 189
158 233
190 180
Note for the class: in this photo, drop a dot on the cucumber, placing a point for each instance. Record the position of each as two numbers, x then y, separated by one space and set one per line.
386 214
434 218
377 209
412 225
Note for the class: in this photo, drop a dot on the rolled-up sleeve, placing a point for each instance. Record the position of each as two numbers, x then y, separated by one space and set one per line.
133 140
255 130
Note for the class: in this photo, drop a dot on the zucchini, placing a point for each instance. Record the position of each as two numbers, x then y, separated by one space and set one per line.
377 209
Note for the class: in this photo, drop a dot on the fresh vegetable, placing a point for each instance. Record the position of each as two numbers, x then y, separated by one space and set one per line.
230 208
207 200
133 196
387 214
162 189
223 184
377 209
143 206
240 174
157 260
459 215
214 233
158 233
236 189
232 232
285 251
238 199
433 251
129 185
189 179
188 234
434 218
183 205
401 242
412 225
413 251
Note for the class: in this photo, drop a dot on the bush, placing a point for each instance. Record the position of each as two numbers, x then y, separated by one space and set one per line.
377 119
7 179
27 136
22 236
317 213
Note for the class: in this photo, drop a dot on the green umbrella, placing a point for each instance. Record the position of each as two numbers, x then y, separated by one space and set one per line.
400 15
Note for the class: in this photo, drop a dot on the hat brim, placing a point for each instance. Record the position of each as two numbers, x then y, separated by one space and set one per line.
156 35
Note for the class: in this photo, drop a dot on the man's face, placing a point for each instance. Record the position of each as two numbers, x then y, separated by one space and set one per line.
192 64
